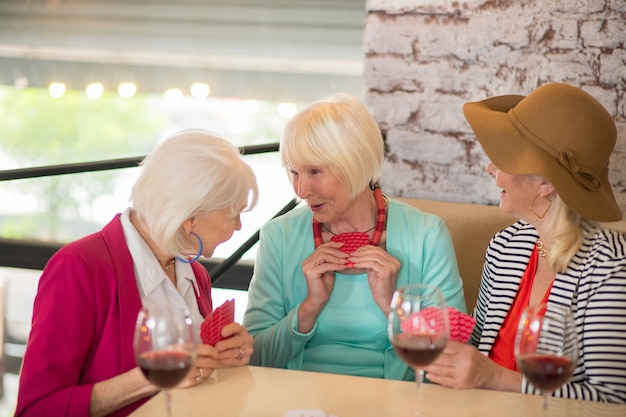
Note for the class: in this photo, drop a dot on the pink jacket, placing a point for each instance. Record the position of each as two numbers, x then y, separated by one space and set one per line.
83 322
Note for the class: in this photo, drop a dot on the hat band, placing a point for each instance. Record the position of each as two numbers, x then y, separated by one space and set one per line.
582 175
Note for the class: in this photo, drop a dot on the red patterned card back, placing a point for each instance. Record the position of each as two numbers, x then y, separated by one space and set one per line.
211 327
461 324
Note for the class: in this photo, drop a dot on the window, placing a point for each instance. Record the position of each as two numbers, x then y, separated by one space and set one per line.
88 80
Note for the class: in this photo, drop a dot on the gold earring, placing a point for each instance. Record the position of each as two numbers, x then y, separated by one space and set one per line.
541 216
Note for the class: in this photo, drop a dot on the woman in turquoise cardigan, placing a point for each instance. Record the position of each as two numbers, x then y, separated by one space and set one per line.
325 272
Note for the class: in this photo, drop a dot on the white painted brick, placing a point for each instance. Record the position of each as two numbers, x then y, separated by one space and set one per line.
423 147
577 6
603 33
388 73
606 96
442 114
442 54
389 35
393 109
573 67
618 5
401 6
613 69
556 33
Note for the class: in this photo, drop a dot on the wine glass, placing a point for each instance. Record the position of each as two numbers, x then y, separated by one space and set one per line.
418 327
165 346
546 347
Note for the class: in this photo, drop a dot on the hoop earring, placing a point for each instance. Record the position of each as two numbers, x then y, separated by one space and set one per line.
542 215
195 258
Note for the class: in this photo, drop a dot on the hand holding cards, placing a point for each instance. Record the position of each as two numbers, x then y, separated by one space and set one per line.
211 327
352 241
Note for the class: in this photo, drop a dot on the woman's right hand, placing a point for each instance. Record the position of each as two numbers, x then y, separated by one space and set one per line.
206 363
319 272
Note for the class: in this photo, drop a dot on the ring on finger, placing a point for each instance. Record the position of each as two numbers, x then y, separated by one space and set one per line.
240 355
201 372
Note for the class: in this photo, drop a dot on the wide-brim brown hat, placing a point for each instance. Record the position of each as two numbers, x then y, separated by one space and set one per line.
558 132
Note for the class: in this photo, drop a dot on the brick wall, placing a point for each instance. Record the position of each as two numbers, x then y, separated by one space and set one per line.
425 58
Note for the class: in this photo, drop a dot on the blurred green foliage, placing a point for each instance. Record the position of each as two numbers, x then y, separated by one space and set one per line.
38 130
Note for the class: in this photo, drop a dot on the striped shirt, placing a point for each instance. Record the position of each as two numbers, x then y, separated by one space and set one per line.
593 286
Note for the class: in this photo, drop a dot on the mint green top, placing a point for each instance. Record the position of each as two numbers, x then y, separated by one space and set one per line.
350 336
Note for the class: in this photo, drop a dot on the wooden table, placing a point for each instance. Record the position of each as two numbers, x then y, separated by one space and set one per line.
266 392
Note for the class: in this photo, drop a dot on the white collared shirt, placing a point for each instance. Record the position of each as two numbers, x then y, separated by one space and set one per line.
153 284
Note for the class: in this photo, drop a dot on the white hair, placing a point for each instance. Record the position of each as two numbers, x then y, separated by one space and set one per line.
339 132
191 171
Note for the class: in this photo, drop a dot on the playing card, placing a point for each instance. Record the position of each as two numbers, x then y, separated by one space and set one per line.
352 241
211 327
461 324
427 320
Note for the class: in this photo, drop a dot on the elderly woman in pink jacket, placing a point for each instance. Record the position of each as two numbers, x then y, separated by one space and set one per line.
79 359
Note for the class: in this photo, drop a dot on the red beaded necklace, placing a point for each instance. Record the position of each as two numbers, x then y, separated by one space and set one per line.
356 236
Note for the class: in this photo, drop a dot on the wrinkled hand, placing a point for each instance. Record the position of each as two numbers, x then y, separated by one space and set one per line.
236 347
462 366
382 271
206 362
319 272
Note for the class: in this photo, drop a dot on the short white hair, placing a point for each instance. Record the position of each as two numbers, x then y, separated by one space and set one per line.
339 132
191 171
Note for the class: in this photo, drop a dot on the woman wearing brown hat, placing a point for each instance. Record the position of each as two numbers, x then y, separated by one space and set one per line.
550 153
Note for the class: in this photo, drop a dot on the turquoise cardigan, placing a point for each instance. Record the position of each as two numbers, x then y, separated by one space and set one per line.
350 336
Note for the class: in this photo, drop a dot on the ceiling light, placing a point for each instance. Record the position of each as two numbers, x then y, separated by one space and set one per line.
287 110
56 89
200 90
94 90
173 94
127 89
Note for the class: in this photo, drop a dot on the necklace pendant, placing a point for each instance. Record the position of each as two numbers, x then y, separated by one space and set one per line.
541 249
169 264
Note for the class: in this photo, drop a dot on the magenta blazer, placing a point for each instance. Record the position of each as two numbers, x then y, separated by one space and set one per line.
83 323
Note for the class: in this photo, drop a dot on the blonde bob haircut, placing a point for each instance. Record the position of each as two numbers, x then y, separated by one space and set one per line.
192 171
338 132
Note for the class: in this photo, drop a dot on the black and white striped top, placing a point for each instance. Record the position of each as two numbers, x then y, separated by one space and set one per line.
594 287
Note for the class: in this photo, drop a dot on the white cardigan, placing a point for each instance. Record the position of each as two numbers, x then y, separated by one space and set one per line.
594 287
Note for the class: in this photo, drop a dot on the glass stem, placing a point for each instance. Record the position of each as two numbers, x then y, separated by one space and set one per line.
168 402
419 379
545 404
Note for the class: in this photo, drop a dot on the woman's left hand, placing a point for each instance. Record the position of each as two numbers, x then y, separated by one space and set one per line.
236 347
382 271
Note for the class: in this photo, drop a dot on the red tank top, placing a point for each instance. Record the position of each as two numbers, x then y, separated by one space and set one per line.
503 349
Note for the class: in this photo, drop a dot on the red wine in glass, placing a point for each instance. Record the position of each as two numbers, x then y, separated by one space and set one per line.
418 350
546 347
165 369
165 346
418 327
546 372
